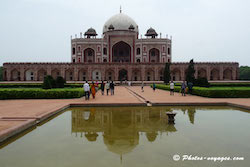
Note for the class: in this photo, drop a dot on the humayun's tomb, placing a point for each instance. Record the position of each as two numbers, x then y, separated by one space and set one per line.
119 55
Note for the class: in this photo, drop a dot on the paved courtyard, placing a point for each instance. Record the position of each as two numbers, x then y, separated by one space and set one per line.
17 115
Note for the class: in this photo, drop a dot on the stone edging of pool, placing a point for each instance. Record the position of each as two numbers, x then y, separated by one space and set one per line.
29 122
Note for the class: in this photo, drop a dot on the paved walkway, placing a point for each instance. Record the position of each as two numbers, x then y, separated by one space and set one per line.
17 115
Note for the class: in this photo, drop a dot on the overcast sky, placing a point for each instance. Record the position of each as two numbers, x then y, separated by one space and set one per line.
205 30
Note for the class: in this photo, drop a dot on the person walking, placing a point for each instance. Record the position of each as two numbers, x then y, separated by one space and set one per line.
102 87
154 86
183 88
93 91
112 88
107 86
172 88
142 86
96 86
86 90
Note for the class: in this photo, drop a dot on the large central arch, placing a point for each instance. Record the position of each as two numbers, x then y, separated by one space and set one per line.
121 52
123 75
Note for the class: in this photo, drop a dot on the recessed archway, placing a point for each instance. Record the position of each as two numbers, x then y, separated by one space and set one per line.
154 55
123 75
55 73
202 73
89 55
215 75
29 75
227 74
83 75
121 52
96 75
150 75
109 75
176 75
41 74
15 75
136 75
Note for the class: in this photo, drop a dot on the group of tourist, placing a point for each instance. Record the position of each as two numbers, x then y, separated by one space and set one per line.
93 88
185 88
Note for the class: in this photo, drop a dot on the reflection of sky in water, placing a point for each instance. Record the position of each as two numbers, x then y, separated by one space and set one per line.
125 136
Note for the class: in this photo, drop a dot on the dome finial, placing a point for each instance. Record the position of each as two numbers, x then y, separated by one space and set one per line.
120 9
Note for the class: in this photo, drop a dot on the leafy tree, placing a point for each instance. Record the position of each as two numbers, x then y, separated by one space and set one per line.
1 73
48 82
244 73
190 72
60 82
166 74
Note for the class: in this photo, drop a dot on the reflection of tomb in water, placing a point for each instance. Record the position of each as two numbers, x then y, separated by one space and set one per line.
121 127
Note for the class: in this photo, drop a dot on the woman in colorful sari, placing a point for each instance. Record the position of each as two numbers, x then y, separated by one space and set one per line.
93 89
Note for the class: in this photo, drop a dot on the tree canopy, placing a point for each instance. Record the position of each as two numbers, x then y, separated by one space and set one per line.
190 72
166 74
244 73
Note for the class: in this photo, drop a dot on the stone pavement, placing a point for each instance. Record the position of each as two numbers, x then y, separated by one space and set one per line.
18 115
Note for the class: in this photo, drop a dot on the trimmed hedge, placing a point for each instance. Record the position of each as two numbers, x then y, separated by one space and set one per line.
35 85
223 92
229 84
167 87
38 93
224 84
214 92
21 85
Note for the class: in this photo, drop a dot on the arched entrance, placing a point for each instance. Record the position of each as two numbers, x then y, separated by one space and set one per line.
96 75
123 75
136 75
227 74
110 75
154 55
121 52
15 75
176 75
29 75
89 55
215 75
202 73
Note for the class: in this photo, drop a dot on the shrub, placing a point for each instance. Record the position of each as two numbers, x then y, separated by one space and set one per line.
202 82
21 85
60 82
37 93
214 92
167 87
222 92
48 82
230 84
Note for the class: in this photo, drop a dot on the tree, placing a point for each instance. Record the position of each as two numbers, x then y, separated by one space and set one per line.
60 82
166 74
48 82
190 72
244 73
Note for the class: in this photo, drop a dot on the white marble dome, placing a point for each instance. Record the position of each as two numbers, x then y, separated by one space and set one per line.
120 22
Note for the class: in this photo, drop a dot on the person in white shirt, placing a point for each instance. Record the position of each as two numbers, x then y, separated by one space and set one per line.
86 90
172 88
107 86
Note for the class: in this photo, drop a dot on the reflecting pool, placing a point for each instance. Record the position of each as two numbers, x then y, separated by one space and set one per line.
132 136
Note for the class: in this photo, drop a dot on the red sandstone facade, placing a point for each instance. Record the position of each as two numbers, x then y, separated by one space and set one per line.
118 55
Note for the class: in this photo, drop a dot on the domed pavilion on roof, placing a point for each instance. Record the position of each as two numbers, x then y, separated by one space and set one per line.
119 55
